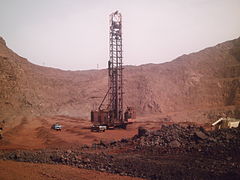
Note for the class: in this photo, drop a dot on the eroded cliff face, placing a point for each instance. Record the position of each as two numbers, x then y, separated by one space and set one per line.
207 79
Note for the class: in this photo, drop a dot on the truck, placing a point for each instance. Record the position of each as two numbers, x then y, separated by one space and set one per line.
56 127
98 128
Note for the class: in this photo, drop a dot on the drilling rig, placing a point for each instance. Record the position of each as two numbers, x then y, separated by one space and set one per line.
111 115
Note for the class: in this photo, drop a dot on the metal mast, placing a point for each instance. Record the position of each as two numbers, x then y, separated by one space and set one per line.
115 79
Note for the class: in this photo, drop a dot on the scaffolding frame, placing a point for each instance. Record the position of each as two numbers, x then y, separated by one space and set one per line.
115 69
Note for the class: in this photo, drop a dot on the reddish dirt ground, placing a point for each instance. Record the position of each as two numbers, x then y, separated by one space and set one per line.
36 132
10 170
30 133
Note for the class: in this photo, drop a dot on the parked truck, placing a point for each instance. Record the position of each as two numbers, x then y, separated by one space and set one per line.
56 127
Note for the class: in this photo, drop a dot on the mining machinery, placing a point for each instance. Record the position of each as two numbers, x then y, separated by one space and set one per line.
111 114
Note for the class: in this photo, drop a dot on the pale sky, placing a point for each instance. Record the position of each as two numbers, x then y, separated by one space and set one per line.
73 34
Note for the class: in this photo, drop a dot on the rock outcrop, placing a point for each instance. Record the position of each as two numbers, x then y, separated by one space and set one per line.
206 80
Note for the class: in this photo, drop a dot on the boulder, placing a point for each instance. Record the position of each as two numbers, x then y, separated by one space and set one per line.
200 135
142 132
174 144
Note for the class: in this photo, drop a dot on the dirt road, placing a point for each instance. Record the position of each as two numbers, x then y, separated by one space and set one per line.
10 170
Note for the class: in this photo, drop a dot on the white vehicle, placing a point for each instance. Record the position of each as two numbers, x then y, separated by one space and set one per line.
99 128
57 127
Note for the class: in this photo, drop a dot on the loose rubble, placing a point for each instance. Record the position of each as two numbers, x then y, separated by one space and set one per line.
190 138
172 152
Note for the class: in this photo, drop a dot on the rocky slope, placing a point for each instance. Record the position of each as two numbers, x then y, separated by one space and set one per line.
206 80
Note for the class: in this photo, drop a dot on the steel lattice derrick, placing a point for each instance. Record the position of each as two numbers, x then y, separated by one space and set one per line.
115 80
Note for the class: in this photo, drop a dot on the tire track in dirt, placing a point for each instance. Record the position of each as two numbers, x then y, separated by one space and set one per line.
49 137
10 133
23 135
